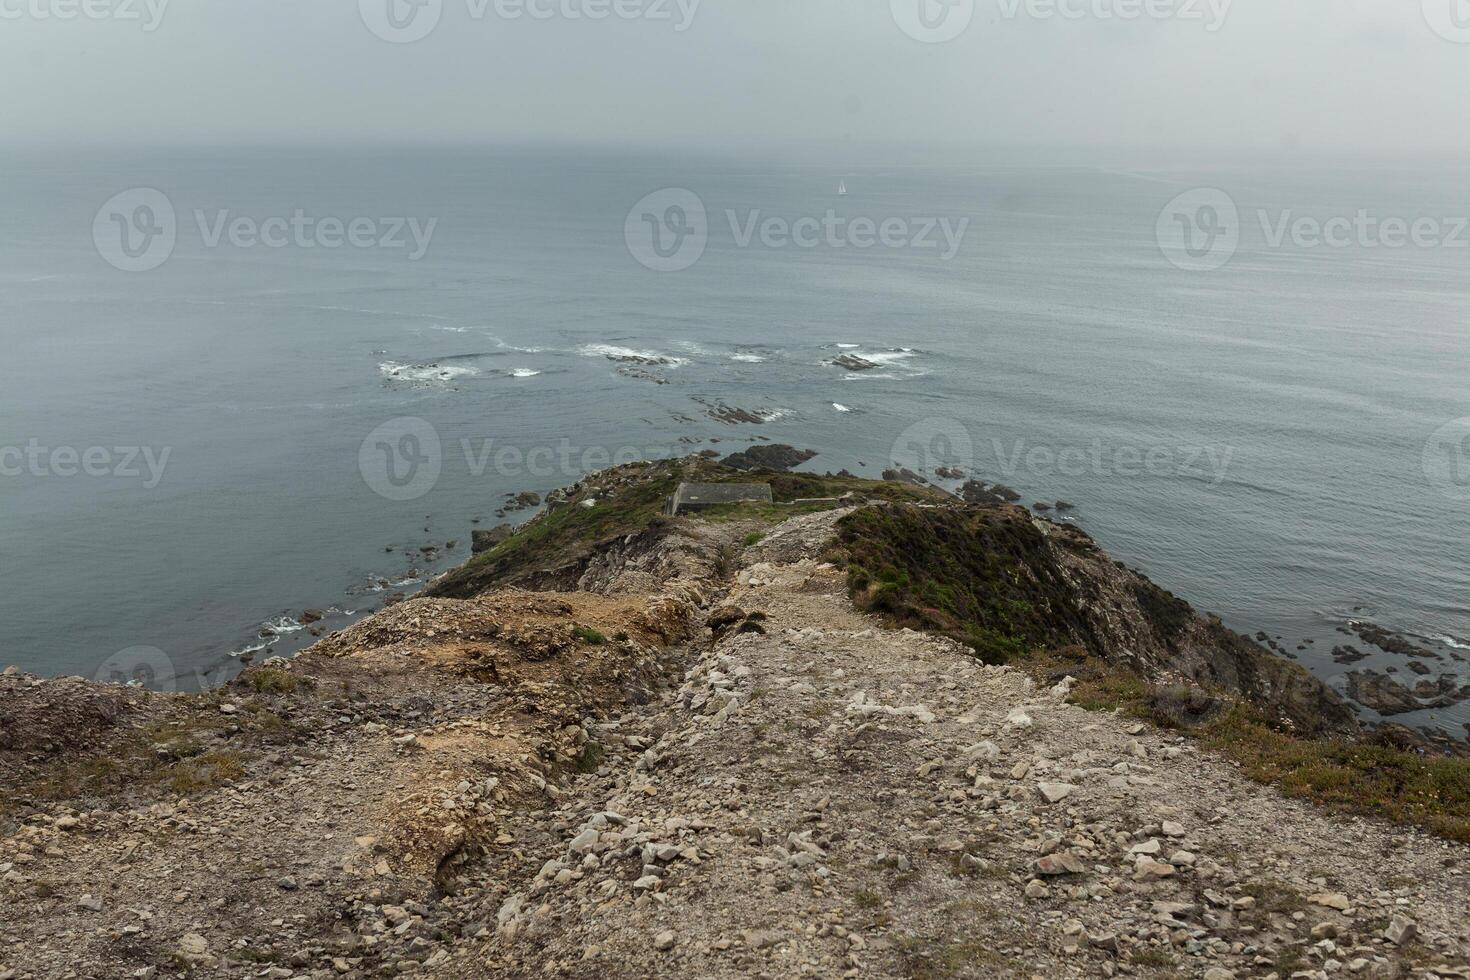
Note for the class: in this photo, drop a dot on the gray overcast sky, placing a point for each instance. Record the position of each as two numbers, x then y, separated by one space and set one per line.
1379 76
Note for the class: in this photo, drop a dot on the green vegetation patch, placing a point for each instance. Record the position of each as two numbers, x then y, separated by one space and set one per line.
563 539
565 536
978 576
272 680
589 635
1367 777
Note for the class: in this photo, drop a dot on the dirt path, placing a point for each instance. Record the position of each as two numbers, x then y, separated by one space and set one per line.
828 798
594 785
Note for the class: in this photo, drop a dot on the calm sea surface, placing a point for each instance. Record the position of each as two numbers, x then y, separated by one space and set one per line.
262 423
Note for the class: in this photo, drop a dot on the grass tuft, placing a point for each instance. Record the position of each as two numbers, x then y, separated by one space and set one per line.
272 680
589 635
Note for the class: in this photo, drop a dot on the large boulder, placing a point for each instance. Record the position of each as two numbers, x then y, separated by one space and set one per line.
778 457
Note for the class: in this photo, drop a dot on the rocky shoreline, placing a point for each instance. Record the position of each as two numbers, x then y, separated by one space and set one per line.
619 745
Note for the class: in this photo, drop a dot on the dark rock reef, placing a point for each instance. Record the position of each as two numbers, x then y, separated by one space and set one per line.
777 457
851 362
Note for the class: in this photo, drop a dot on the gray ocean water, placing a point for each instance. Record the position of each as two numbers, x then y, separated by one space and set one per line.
1266 439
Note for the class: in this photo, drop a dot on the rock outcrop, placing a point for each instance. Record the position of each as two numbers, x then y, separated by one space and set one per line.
686 752
777 457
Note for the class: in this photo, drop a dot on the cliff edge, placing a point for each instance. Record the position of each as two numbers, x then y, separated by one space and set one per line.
897 737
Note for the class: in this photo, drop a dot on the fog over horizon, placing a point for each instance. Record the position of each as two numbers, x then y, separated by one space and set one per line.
1337 79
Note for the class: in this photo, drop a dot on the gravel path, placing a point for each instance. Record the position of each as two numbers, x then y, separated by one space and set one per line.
829 798
596 785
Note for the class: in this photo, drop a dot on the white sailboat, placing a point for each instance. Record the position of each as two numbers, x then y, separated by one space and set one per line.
841 188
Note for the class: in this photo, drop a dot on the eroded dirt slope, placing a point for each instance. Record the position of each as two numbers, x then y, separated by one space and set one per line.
704 762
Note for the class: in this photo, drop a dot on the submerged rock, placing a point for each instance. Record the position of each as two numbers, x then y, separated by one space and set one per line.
980 492
774 457
1388 697
482 541
904 475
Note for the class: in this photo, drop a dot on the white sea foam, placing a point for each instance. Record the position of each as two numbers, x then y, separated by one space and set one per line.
425 373
383 585
747 358
281 625
616 353
887 358
841 407
524 373
502 345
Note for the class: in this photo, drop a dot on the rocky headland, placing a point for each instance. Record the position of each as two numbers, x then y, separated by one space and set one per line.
870 730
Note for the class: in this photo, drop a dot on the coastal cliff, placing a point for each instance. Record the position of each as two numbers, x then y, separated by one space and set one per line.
876 733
